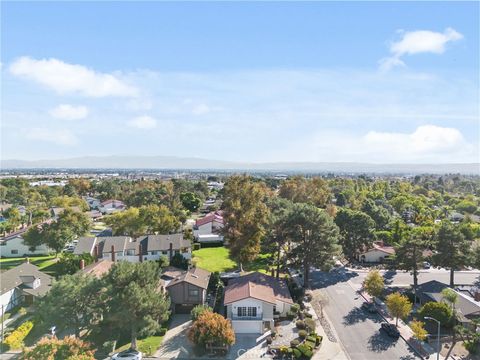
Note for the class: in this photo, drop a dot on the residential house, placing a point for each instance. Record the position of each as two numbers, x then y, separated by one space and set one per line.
56 211
22 285
97 268
188 289
467 308
92 202
208 229
253 301
147 247
377 253
13 246
111 206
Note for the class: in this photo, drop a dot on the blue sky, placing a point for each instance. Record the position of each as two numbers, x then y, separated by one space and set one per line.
374 82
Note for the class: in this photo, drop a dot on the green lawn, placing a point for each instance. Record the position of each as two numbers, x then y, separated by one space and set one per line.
214 259
41 261
147 346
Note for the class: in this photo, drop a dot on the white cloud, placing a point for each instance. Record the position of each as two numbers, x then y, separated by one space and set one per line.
67 78
69 112
143 122
56 136
416 42
201 109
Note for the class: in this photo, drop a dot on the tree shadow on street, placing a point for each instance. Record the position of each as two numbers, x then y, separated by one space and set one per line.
388 276
379 342
357 315
321 279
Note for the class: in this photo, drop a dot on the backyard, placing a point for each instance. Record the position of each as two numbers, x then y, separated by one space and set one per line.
218 259
43 262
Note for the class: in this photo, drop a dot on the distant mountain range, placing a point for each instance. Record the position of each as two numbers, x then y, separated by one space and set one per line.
171 162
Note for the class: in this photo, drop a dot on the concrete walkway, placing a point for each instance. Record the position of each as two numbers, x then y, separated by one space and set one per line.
175 344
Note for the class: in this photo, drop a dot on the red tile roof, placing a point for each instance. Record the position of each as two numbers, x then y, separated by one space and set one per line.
209 218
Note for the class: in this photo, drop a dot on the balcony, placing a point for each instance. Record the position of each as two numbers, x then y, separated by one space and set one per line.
236 317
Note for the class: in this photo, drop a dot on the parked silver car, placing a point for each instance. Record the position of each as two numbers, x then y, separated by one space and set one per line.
129 354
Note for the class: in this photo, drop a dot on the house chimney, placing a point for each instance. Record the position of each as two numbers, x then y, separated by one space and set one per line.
171 251
140 255
113 253
82 264
95 253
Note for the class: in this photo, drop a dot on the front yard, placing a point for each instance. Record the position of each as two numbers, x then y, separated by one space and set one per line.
148 346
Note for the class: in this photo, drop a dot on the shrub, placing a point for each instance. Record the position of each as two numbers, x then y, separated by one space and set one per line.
307 314
305 350
311 338
294 342
297 354
471 346
198 310
179 261
22 311
211 327
300 324
196 246
310 344
295 308
437 310
69 347
318 340
284 349
310 324
15 339
290 315
162 331
302 334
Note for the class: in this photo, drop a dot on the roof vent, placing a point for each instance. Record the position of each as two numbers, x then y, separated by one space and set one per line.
195 276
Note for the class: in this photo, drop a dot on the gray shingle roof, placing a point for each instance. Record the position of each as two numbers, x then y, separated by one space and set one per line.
196 276
162 242
12 278
119 243
85 245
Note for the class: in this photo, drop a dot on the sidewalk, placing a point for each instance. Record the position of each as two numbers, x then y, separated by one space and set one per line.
420 347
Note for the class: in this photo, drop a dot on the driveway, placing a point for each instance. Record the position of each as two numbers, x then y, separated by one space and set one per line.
176 345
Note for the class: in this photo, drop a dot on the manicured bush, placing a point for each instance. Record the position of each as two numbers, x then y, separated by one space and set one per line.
294 342
311 338
297 354
284 349
300 324
290 315
15 339
295 308
196 246
302 334
318 340
305 350
310 324
310 344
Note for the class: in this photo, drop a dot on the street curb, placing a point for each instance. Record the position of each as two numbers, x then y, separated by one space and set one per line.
406 341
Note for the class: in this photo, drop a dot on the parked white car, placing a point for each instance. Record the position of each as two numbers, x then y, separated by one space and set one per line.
129 354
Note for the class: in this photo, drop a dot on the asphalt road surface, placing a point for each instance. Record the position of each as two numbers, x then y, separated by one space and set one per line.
358 331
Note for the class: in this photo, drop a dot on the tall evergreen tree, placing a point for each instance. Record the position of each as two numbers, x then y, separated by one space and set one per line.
356 230
313 236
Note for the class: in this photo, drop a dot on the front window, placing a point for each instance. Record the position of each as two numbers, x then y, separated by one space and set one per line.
193 293
244 311
14 251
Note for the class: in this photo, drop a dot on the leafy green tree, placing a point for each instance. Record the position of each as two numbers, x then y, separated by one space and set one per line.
453 250
69 264
127 222
157 219
437 310
374 284
179 261
379 214
313 237
69 225
71 303
246 216
190 201
134 298
398 305
357 231
450 296
314 191
35 236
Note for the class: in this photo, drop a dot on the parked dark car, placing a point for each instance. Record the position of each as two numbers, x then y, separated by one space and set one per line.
391 330
369 307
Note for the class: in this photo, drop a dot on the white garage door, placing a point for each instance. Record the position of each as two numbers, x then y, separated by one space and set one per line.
247 327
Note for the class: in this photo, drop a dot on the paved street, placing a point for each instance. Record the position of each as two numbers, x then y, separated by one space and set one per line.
358 331
403 278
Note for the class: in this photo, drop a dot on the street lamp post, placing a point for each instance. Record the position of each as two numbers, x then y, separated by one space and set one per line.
438 334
